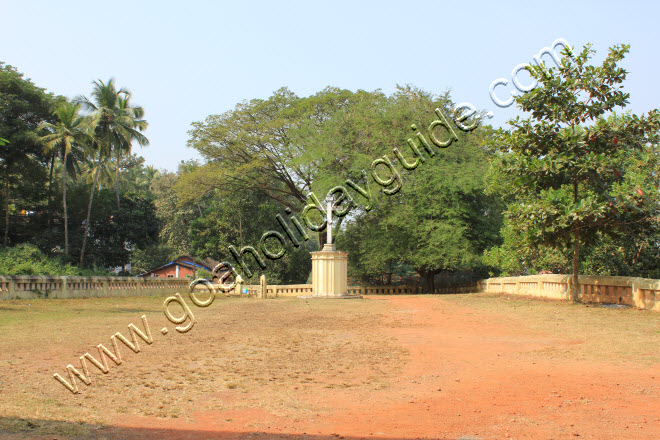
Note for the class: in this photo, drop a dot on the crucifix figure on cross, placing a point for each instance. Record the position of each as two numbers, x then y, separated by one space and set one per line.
328 212
329 200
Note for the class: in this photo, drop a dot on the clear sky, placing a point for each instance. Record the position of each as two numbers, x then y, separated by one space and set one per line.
187 59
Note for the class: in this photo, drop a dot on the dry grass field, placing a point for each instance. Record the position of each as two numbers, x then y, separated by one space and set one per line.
397 367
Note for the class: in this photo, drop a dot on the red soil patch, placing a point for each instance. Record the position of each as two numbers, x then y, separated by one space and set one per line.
471 374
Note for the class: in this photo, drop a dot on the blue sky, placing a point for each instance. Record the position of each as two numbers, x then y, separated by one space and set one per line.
188 59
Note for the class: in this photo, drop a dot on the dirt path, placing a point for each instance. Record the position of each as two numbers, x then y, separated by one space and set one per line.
469 375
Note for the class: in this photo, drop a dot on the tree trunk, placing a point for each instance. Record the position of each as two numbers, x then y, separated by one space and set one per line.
50 194
117 179
323 238
66 217
575 286
89 211
429 282
6 209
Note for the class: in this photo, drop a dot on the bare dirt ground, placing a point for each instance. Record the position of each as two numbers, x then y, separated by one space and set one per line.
391 367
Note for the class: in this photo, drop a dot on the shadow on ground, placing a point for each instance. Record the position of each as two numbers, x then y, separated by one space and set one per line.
35 429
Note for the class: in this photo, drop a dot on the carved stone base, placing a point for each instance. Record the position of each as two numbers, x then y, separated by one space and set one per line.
329 274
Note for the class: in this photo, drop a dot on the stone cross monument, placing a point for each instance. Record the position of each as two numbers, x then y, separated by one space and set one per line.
329 266
329 245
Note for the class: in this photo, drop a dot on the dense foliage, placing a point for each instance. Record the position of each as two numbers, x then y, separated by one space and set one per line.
27 259
570 187
55 159
286 146
573 177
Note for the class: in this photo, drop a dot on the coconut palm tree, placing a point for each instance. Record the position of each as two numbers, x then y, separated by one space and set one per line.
135 115
116 125
70 132
97 173
117 122
150 173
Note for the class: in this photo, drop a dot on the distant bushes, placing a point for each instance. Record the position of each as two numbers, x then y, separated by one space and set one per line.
27 259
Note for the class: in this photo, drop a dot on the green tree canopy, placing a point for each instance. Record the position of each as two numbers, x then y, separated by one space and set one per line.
440 219
242 219
23 106
252 147
567 171
286 146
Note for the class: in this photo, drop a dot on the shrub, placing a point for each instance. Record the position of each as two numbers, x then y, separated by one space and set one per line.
27 259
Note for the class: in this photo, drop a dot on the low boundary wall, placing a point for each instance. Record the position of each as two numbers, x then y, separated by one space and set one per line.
274 291
39 286
411 290
642 293
278 290
631 291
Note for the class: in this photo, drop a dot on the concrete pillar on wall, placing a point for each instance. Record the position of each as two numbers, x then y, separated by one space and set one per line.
238 287
636 297
176 266
10 289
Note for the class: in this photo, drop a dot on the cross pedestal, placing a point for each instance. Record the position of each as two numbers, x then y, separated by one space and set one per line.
329 267
329 272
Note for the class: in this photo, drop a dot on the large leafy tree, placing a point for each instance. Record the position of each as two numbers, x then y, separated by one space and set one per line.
174 212
252 147
439 220
373 125
565 169
70 132
241 220
23 106
283 147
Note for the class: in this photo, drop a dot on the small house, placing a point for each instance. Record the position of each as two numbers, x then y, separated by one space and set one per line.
182 267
